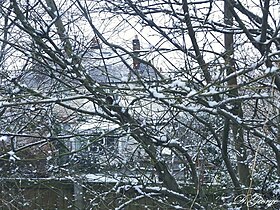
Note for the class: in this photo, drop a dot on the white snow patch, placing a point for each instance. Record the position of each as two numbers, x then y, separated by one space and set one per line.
212 103
178 83
137 188
178 207
102 178
258 38
16 90
163 138
4 138
156 94
124 79
69 60
264 95
174 141
13 156
213 90
254 65
192 108
166 151
271 69
191 93
11 153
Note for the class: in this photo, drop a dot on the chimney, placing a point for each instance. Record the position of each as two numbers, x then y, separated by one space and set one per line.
136 48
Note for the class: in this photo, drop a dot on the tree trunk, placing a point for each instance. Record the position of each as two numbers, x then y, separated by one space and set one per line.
238 135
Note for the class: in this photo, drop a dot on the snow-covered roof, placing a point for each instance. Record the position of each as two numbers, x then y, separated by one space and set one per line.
109 67
110 71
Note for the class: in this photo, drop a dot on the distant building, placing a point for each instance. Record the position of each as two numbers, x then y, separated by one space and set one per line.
97 139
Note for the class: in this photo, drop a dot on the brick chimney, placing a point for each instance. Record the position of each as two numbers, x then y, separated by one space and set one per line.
136 48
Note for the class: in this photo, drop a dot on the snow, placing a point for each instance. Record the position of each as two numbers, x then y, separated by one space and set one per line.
4 138
191 93
271 69
230 115
11 153
124 79
190 108
213 90
178 207
156 94
212 103
137 188
163 138
16 90
174 141
102 178
258 38
254 65
45 29
39 32
244 97
13 156
28 54
178 83
166 151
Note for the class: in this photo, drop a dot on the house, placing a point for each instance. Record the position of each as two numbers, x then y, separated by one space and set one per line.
110 142
90 139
